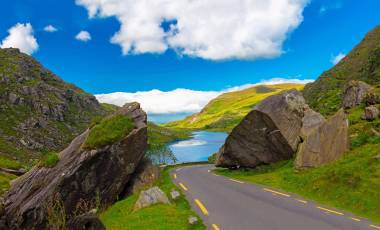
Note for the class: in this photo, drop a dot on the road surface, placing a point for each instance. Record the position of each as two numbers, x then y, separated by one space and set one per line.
227 204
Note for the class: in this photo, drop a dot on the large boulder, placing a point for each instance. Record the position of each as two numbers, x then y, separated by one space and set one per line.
269 133
370 113
80 181
354 94
325 143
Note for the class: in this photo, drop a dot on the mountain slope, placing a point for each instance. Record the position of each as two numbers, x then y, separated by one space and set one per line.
39 111
226 111
362 63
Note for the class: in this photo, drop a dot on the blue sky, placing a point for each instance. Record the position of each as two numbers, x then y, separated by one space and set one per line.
328 28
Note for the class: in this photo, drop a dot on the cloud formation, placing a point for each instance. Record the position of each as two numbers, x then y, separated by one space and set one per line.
336 59
209 29
21 36
179 100
50 29
83 36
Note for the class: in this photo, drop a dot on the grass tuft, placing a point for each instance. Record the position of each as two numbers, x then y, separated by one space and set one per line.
49 160
109 131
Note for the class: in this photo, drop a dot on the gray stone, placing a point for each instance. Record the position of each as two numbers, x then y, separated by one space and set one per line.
193 220
174 194
324 144
354 94
371 113
151 196
269 133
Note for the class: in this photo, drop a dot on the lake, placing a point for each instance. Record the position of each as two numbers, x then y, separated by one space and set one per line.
199 148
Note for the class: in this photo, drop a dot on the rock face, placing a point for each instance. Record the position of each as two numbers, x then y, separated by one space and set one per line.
38 110
81 178
324 144
151 196
371 113
269 133
354 94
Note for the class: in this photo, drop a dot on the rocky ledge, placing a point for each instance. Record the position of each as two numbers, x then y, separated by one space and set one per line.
81 181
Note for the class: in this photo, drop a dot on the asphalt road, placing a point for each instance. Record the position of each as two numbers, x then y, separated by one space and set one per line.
226 204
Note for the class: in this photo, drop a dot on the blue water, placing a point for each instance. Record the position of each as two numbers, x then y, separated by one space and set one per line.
164 118
199 148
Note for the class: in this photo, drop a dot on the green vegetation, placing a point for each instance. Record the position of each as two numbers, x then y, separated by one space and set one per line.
351 184
49 160
158 135
173 216
226 111
362 63
211 159
5 180
109 107
5 162
109 130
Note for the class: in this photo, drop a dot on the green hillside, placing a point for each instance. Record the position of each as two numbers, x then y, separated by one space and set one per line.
226 111
362 63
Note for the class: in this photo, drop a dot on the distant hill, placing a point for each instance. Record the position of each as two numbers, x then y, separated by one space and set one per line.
226 111
39 111
362 63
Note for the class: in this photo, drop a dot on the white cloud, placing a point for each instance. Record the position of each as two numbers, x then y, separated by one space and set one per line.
21 36
179 100
83 36
209 29
50 29
336 59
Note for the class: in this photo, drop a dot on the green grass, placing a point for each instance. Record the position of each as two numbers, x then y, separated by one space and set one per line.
5 180
166 217
49 160
6 162
226 111
109 131
158 135
350 184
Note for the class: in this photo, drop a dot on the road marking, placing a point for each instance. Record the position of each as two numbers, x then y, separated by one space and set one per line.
183 186
275 192
355 219
215 174
237 181
175 176
302 201
330 211
208 170
374 226
215 227
202 207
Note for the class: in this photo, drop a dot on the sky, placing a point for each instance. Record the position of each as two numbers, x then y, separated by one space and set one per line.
176 55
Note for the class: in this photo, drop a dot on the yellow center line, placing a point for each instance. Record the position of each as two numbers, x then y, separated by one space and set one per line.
208 171
202 207
302 201
237 181
275 192
355 219
215 227
374 226
175 176
183 186
330 211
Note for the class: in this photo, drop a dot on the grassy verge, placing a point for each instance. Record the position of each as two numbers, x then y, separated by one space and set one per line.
173 216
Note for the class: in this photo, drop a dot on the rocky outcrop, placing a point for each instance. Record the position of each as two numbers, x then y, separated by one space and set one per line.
370 113
151 196
354 94
269 133
325 143
38 110
80 180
